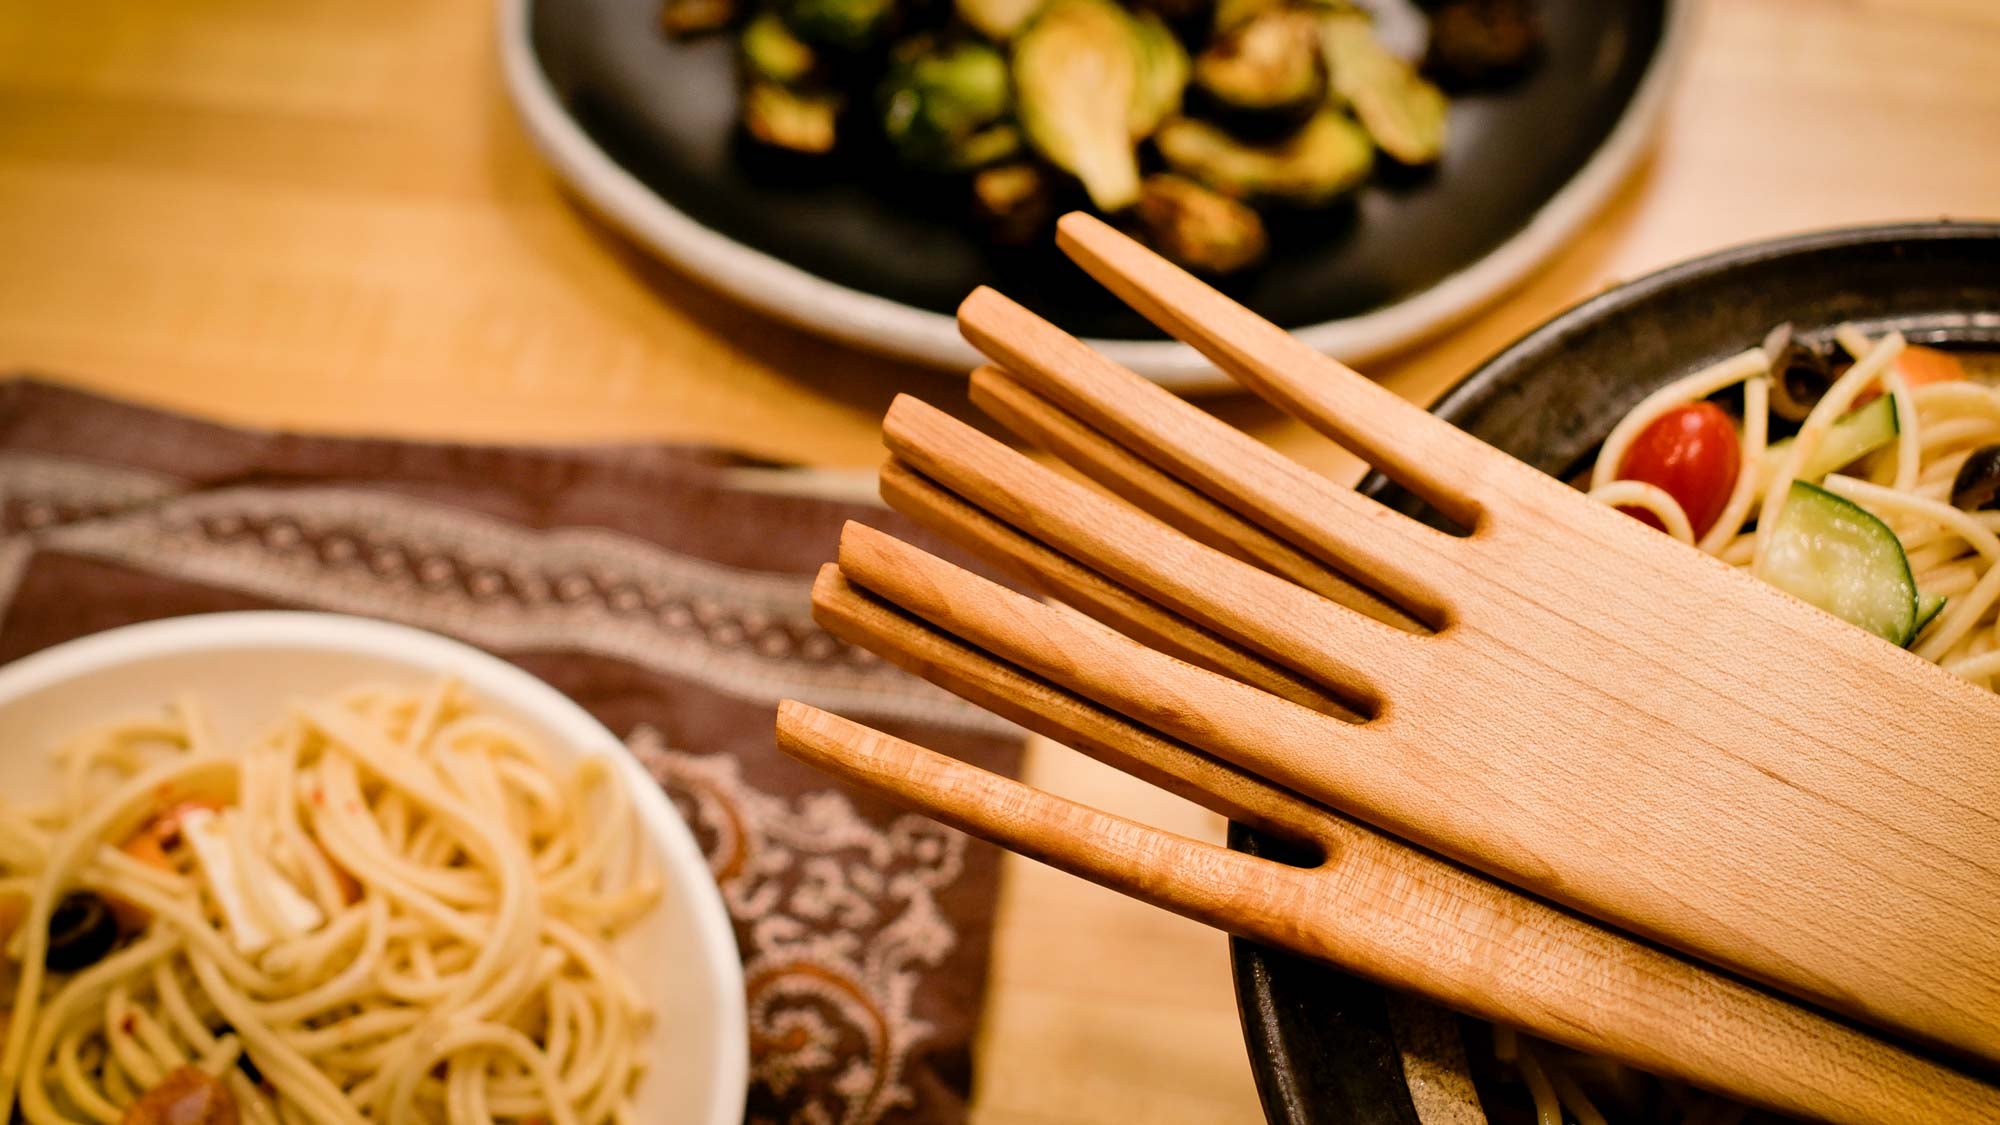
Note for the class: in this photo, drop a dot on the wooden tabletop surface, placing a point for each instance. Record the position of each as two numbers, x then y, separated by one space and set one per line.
321 214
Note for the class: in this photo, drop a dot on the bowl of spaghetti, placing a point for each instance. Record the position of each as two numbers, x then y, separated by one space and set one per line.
1822 410
289 867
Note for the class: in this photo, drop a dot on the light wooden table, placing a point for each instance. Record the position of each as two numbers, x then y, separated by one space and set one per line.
320 214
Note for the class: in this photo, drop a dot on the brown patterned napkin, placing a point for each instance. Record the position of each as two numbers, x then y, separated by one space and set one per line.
658 587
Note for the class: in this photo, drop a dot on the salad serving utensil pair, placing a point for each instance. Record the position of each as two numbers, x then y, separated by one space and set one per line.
1527 756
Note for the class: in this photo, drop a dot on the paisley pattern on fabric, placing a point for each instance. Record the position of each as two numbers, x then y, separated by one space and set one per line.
647 583
837 919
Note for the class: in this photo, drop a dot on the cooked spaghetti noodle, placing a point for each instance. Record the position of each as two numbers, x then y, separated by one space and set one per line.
387 908
1907 483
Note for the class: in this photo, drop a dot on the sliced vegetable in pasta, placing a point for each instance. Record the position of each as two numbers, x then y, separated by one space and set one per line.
1854 435
1883 507
1834 554
389 906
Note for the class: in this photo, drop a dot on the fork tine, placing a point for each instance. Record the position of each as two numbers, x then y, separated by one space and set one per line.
1317 756
1210 884
1419 451
859 618
1375 546
1045 424
910 493
1351 654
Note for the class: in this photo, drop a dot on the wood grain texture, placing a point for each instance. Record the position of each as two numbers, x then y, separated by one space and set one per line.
1372 902
922 649
1606 717
1055 576
321 214
1042 423
1387 911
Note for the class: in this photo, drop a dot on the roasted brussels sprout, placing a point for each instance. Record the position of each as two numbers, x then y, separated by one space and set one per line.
1025 99
1091 81
1270 63
941 105
935 153
1163 74
1479 42
1403 112
1077 81
1327 156
844 25
771 52
1200 229
798 120
684 18
1016 202
990 145
998 20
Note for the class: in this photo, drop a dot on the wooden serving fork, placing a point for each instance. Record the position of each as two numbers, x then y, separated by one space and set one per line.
1369 902
1561 698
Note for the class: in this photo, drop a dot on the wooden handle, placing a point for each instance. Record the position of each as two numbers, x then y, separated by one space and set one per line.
1210 884
1408 920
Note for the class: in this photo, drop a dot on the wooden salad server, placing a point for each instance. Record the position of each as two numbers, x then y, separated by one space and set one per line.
1560 698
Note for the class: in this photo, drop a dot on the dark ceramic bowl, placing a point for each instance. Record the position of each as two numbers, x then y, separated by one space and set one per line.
1331 1049
644 128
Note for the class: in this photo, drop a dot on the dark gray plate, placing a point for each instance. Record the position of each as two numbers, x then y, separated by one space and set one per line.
665 112
1322 1043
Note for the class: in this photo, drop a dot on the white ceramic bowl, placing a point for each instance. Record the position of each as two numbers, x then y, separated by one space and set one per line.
245 666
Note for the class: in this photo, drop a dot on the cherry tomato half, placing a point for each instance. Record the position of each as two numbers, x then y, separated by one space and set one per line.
1693 453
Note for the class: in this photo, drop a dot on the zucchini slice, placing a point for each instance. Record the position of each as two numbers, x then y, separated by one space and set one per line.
1928 607
1852 436
1832 553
